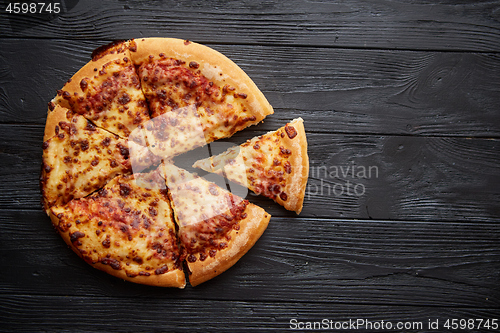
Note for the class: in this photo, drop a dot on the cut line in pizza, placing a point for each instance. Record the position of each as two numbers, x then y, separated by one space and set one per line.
109 179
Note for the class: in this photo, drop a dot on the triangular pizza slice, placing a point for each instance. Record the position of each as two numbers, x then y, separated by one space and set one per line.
107 91
78 158
125 229
197 94
216 228
274 165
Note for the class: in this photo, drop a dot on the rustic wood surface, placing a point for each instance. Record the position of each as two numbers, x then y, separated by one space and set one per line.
401 222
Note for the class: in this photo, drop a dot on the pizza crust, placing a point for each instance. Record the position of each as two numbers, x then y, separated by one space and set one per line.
242 240
54 117
107 92
212 64
239 163
89 71
175 278
299 160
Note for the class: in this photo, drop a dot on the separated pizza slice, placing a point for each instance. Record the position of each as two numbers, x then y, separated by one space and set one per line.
274 165
210 96
216 228
125 229
78 158
106 91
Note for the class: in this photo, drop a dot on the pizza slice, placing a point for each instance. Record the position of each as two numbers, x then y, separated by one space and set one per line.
78 158
125 229
274 165
107 91
216 228
210 96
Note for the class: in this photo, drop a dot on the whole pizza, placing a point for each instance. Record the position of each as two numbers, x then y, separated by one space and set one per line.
109 179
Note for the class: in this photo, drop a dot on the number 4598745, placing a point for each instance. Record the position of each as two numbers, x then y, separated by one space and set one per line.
454 324
33 8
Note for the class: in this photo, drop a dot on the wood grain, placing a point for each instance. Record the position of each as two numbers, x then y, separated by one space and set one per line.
351 176
389 24
321 260
409 87
89 314
358 91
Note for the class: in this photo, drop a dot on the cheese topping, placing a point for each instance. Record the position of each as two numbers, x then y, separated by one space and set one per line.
191 111
261 164
80 159
112 98
205 213
124 226
126 117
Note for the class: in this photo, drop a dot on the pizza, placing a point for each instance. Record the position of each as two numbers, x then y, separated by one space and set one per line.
216 227
125 229
274 165
79 158
195 95
107 92
109 182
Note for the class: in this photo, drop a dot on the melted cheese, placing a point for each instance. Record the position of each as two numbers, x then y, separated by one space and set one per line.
261 164
189 110
112 98
125 226
204 212
79 160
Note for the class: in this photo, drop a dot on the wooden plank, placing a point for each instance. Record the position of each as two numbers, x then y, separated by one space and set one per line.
351 176
373 262
85 314
341 91
389 24
20 162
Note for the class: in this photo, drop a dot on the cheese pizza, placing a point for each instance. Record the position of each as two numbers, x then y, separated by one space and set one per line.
274 165
109 181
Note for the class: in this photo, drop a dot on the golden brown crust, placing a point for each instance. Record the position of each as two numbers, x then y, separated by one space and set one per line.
89 71
212 64
299 161
251 228
175 278
54 117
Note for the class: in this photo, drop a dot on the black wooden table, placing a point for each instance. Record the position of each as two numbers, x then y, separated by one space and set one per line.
401 222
